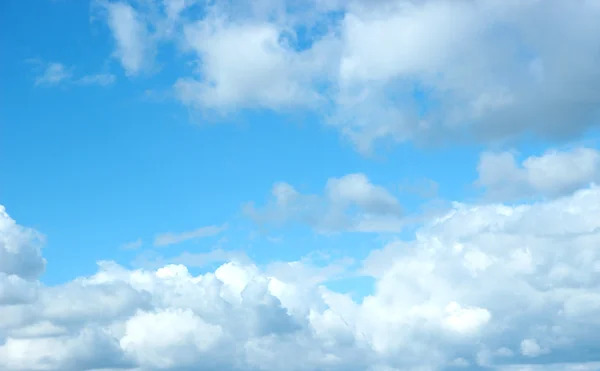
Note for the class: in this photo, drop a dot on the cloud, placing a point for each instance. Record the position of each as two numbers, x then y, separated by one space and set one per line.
484 286
102 79
54 74
246 65
20 249
134 47
393 70
552 174
174 238
133 245
403 70
530 348
348 203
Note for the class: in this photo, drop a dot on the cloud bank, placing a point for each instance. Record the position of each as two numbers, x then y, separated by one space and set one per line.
483 287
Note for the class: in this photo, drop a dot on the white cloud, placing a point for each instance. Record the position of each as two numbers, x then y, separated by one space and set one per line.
552 174
434 306
431 70
173 238
170 338
485 70
54 74
134 47
348 203
246 65
20 250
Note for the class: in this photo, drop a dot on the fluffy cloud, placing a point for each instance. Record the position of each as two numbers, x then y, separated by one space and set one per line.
20 249
349 203
486 286
393 69
552 174
245 66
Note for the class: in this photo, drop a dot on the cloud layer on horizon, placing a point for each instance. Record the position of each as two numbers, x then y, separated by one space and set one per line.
482 286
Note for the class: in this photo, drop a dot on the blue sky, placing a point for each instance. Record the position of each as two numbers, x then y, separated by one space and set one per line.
100 166
335 143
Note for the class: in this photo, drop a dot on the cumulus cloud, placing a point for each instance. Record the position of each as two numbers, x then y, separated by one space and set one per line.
483 286
174 238
348 203
490 286
551 174
432 70
20 249
245 66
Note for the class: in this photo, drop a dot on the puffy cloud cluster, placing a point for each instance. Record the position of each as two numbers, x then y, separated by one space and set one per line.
21 261
483 287
348 203
389 69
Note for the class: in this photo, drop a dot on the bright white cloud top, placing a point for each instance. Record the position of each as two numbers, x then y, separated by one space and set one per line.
483 286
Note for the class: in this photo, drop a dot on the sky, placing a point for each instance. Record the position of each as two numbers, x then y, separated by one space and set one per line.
344 185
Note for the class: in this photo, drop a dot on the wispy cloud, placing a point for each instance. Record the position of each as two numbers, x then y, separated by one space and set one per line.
170 238
102 79
134 46
133 245
54 74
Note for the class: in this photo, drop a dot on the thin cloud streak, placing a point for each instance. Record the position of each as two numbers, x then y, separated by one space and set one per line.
170 238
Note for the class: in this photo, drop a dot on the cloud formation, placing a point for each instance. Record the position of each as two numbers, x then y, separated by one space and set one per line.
55 74
166 239
554 173
502 287
432 70
348 203
134 47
